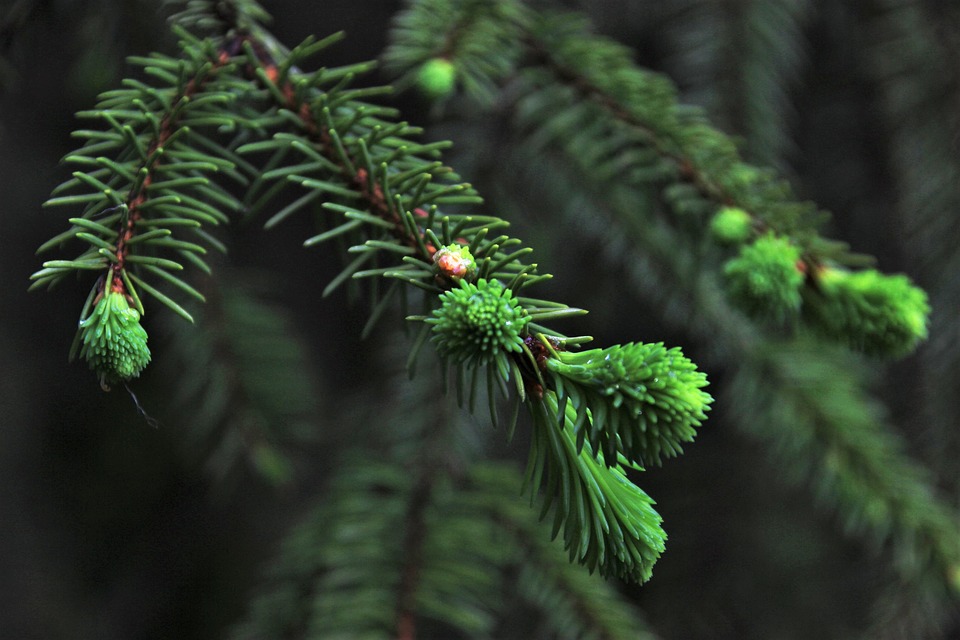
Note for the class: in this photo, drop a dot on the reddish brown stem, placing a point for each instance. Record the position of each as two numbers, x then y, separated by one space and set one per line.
365 184
138 196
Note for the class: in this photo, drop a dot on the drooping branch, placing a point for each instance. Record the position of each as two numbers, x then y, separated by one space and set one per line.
399 201
168 129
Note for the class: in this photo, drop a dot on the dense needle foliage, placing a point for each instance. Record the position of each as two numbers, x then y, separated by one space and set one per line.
693 236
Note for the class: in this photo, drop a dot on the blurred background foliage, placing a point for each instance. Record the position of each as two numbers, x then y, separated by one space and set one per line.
113 529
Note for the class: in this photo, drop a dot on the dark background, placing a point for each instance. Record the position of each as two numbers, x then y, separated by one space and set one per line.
108 529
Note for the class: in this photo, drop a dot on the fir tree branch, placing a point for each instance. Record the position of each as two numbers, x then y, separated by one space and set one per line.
240 106
873 319
148 187
608 522
853 458
467 536
454 331
156 183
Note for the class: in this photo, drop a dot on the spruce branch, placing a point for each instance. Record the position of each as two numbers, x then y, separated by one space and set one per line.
764 277
707 161
428 531
238 125
608 522
640 401
155 185
609 114
352 153
341 572
479 47
852 458
621 124
238 99
741 61
572 604
396 546
802 423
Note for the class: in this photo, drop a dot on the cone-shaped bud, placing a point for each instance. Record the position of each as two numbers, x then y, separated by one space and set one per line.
455 262
437 78
641 400
112 340
765 279
478 323
875 313
731 225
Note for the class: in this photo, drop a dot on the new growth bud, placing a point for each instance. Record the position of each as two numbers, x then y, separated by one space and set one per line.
875 313
478 323
112 340
644 399
731 225
764 279
455 262
437 78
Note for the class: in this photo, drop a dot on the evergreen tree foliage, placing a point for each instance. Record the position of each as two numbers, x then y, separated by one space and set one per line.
910 46
416 528
428 533
244 379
